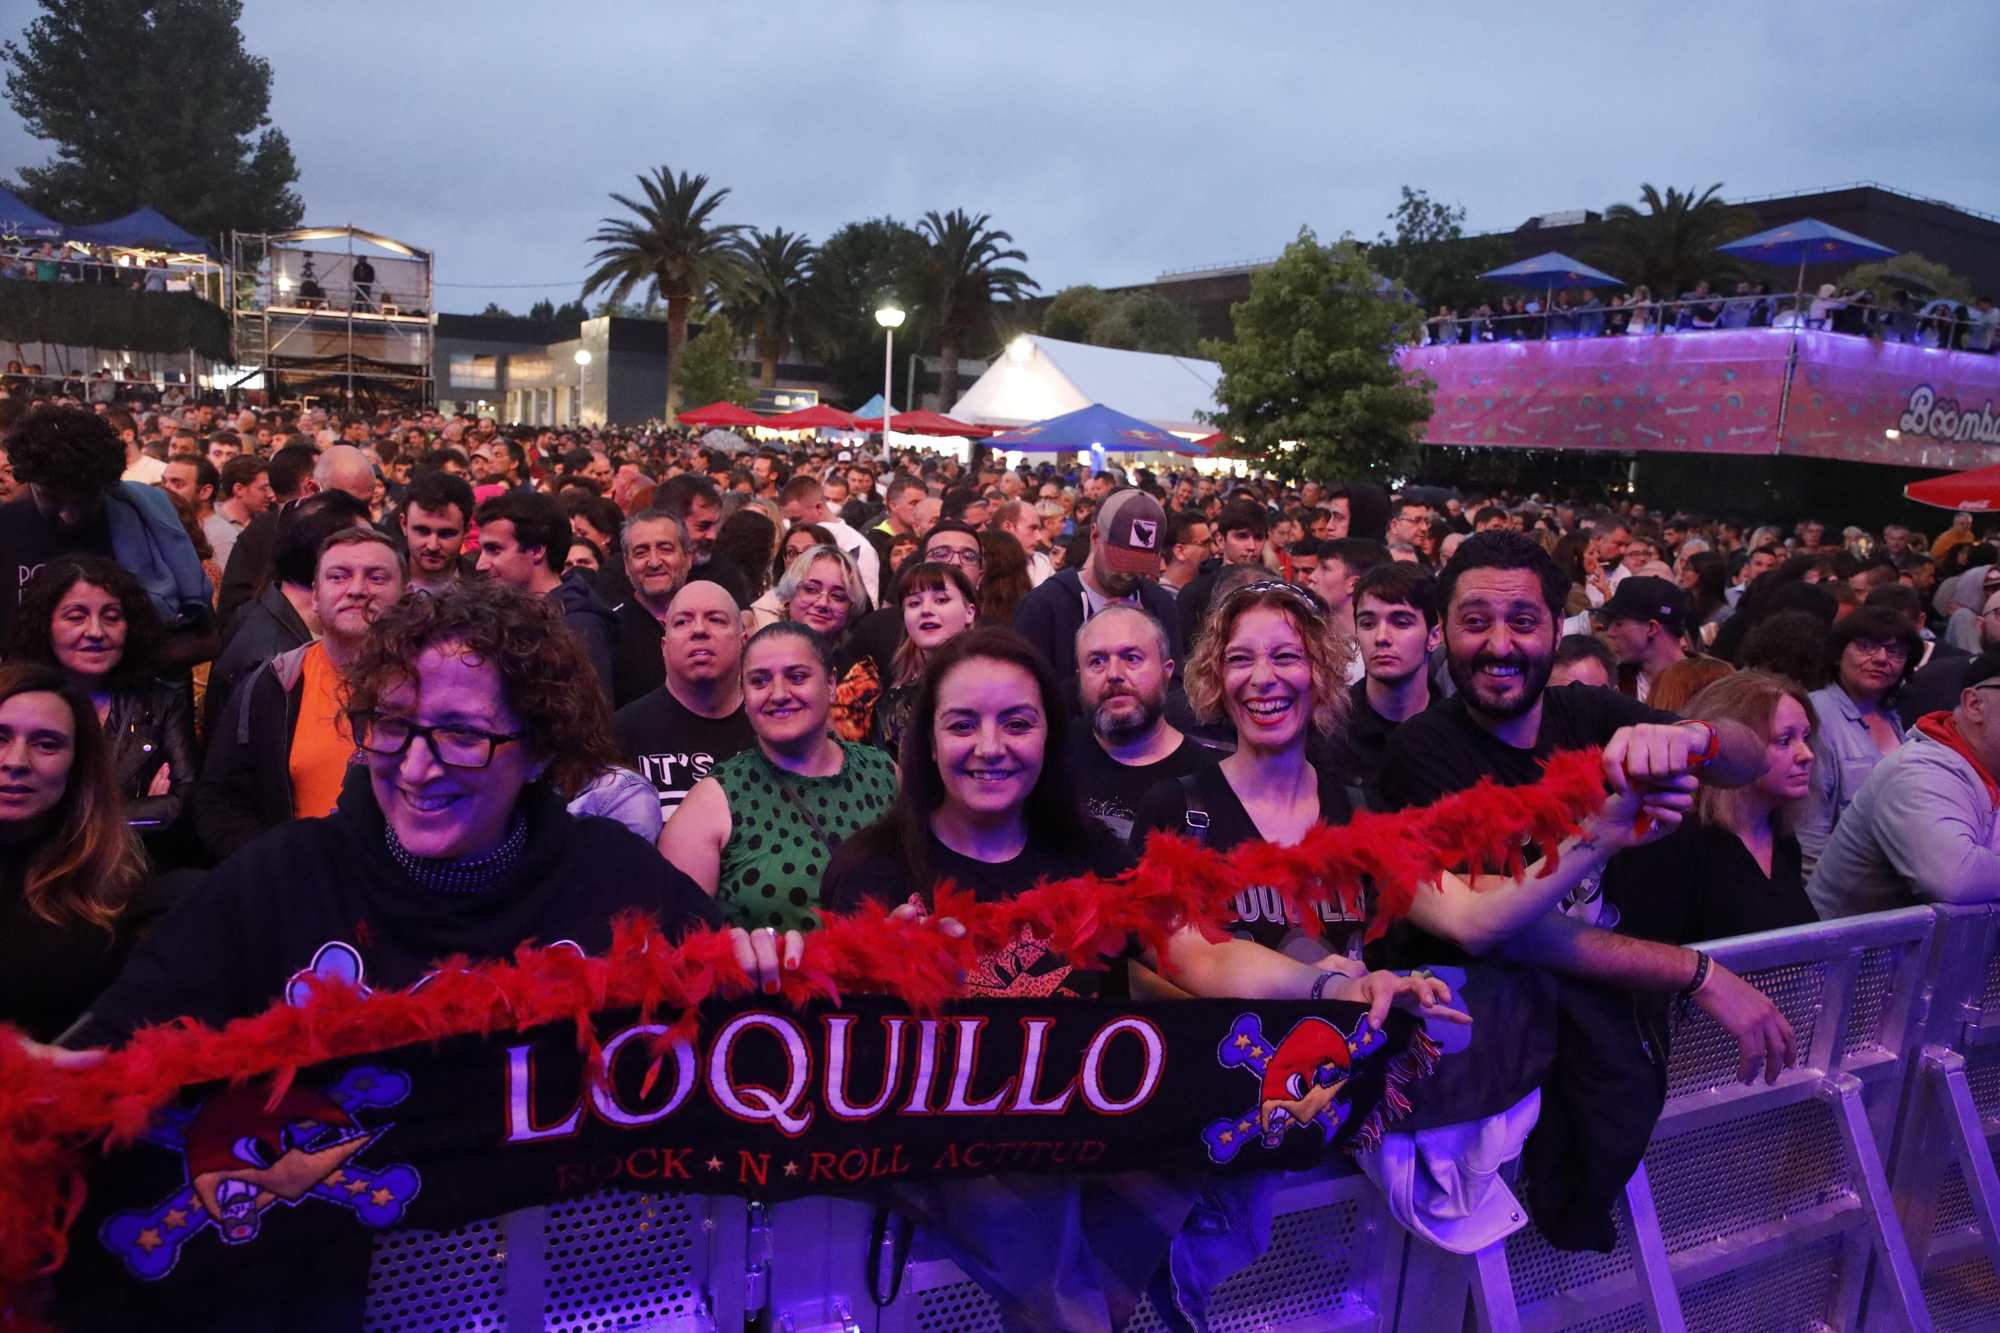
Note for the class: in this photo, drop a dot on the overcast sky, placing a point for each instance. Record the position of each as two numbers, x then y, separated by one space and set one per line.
1114 140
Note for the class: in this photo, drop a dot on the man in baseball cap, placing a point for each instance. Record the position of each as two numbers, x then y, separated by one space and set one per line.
1128 542
1643 622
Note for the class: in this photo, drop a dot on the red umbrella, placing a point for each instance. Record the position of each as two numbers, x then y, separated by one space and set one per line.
1976 491
926 422
817 417
720 414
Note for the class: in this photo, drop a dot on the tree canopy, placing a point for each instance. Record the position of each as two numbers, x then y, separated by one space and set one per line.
1311 385
1136 321
707 370
858 269
1883 276
151 102
961 281
1432 256
1670 246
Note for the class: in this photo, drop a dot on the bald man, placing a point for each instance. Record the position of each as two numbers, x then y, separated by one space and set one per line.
345 468
695 720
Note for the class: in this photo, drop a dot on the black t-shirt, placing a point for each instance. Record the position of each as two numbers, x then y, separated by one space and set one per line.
1364 742
1026 968
637 667
1701 883
1260 911
49 973
28 541
674 747
1112 791
1442 750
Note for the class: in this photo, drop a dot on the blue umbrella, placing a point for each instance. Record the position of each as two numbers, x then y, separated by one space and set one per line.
1096 429
1551 272
1807 241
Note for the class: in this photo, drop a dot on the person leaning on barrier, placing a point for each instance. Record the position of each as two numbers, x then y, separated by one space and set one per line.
1503 601
1922 828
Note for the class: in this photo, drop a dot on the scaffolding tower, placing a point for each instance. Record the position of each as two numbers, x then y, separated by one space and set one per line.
347 324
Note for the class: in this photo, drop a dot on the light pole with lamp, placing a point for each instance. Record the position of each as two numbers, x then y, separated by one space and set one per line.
582 378
891 319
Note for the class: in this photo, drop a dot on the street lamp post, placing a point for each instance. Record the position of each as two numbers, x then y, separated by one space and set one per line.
891 319
582 378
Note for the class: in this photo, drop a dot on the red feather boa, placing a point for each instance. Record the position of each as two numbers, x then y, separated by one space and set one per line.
49 1116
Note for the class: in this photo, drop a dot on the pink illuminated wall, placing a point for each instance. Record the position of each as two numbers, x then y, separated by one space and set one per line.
1720 391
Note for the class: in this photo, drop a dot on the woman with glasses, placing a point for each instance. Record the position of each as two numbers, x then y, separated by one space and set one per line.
1273 663
758 832
822 590
1868 656
770 608
475 712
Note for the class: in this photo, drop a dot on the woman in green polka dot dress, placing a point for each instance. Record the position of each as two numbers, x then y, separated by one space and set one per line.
757 832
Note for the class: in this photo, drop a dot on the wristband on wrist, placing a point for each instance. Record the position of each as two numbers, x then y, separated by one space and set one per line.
1714 747
1319 984
1703 964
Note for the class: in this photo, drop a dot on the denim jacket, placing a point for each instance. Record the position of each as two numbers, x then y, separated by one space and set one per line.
1844 754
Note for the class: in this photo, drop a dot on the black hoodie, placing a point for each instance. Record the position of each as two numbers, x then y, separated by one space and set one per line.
230 948
591 617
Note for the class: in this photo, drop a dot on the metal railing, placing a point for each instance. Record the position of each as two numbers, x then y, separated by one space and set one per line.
1946 324
1766 1207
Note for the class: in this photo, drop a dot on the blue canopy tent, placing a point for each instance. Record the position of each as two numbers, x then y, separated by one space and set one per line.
144 229
1096 430
19 223
1807 241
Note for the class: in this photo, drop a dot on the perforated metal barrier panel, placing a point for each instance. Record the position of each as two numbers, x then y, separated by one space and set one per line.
1759 1208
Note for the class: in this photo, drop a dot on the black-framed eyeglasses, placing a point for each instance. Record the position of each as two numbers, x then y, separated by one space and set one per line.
456 746
956 555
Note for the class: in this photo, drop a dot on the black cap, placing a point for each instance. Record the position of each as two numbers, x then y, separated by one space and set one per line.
1981 668
1638 597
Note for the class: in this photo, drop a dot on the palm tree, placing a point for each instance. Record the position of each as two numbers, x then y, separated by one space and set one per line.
671 243
958 282
1671 245
770 303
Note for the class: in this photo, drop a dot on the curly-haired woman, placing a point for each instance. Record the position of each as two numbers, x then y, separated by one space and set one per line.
476 714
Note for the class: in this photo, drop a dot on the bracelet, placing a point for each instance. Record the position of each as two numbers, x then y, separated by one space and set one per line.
1319 985
1713 748
1702 964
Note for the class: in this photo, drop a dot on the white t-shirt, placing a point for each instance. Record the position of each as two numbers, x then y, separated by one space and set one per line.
147 471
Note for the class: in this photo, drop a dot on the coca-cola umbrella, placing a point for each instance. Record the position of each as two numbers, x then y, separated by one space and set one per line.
1974 492
926 422
817 417
720 414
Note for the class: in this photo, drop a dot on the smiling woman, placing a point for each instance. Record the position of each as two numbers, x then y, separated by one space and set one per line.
759 830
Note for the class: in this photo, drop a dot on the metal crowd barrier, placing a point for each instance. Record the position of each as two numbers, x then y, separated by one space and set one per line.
1942 1172
1758 1207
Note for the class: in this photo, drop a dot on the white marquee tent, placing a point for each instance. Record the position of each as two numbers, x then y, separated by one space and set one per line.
1037 378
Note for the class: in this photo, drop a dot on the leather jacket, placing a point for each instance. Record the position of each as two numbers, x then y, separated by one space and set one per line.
151 724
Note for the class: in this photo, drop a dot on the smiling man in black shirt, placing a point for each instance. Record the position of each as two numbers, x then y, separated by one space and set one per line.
1123 665
1503 598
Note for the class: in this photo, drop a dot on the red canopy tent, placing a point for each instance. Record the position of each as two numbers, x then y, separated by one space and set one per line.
1975 492
720 414
926 422
817 417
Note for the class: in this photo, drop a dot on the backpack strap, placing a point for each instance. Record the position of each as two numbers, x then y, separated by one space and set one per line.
1197 810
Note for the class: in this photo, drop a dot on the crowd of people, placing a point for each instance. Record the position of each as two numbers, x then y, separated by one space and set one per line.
1894 316
400 687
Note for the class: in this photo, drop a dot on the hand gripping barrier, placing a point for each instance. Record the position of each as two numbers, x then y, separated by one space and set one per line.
1941 1173
1757 1208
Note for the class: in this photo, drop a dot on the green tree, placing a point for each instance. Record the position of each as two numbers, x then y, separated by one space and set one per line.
1880 277
1311 386
672 248
959 287
1139 321
858 269
493 310
1670 246
569 312
707 370
151 102
767 307
1432 256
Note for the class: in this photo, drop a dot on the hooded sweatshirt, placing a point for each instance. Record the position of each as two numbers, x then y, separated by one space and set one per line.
592 618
